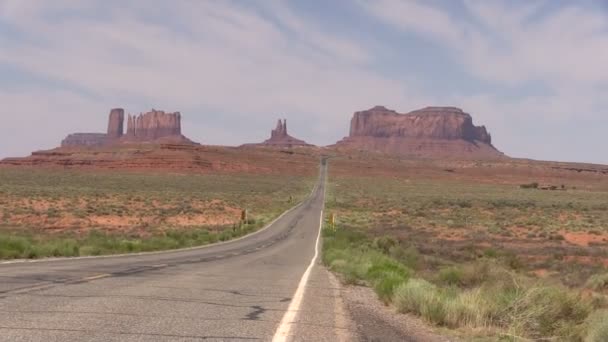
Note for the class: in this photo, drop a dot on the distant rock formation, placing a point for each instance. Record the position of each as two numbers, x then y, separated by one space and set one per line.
427 132
280 138
85 140
280 131
115 123
154 126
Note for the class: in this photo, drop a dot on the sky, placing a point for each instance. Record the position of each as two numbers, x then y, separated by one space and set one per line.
535 73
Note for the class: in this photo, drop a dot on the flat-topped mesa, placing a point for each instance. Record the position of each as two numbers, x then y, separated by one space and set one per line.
84 140
426 132
447 123
153 125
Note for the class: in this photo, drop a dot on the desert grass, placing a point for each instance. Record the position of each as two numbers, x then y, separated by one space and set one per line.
69 213
485 298
463 255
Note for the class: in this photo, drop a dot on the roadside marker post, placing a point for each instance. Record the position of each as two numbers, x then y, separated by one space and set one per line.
332 221
244 215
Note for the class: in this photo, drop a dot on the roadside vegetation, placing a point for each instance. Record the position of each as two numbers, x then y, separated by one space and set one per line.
69 213
483 261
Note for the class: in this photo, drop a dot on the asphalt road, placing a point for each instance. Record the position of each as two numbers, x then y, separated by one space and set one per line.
265 286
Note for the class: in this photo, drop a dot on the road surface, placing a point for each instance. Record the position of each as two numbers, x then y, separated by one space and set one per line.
264 287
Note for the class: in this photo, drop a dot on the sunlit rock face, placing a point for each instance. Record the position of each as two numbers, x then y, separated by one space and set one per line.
427 132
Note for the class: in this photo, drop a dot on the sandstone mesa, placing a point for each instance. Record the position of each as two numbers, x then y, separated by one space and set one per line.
434 132
154 140
153 126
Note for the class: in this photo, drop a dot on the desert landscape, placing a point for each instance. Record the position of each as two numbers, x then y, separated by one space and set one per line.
286 171
418 204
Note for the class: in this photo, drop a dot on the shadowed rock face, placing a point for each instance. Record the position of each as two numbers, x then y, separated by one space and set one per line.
427 132
154 125
115 123
280 132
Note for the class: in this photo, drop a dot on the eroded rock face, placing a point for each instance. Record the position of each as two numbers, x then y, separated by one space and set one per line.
428 123
280 138
280 131
115 123
154 125
427 132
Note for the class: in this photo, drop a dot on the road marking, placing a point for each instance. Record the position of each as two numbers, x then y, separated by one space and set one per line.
282 333
35 287
99 276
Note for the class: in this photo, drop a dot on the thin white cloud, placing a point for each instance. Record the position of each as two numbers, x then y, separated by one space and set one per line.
563 50
512 44
222 56
262 59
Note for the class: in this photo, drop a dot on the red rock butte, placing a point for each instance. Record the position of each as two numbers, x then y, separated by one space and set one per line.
433 132
153 126
280 138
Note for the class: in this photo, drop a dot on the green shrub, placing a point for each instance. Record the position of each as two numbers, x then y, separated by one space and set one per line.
490 253
598 282
471 308
469 275
451 275
53 213
412 295
547 311
597 327
386 285
385 243
12 247
410 256
385 275
533 185
422 298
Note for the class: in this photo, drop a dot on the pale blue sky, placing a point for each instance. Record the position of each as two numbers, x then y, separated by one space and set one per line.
534 72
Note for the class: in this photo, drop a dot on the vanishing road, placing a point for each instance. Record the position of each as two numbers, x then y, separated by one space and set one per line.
264 287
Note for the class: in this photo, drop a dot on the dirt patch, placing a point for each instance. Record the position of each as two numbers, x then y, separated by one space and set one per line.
583 239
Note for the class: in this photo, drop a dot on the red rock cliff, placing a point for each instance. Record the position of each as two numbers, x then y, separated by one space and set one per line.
154 125
428 123
428 132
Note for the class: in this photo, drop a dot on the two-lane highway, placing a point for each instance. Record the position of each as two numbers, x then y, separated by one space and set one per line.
266 286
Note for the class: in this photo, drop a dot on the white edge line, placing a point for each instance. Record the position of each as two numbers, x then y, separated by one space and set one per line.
20 261
284 329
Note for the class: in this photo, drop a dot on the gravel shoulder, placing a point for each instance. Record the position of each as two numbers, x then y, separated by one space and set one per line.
374 321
